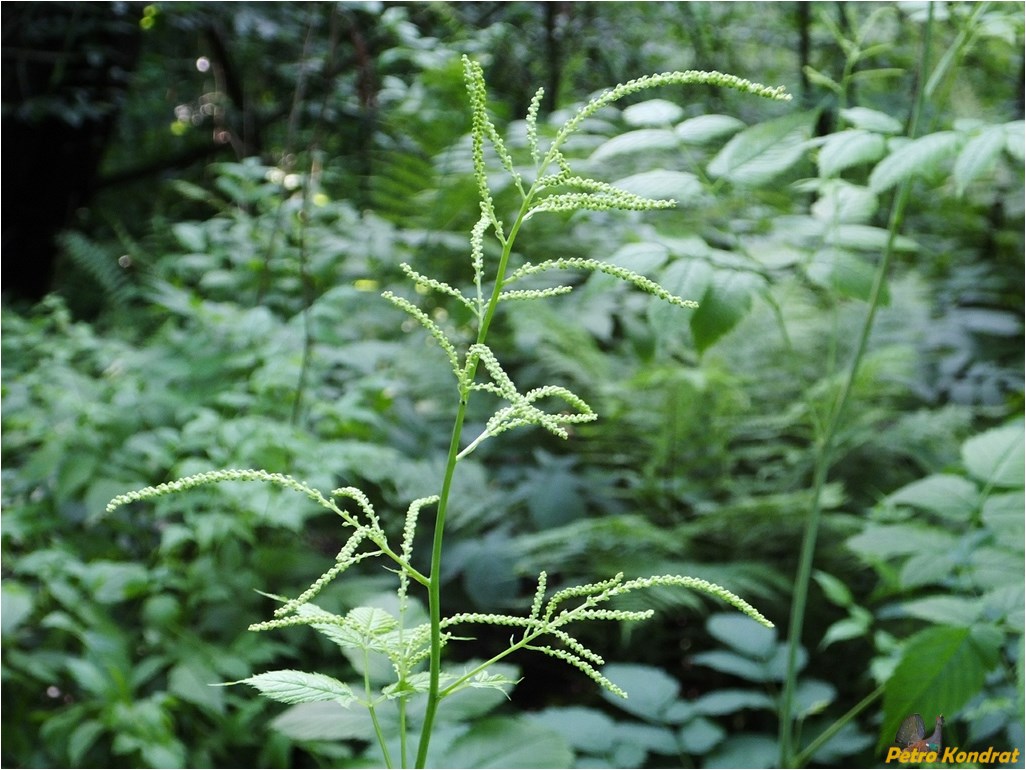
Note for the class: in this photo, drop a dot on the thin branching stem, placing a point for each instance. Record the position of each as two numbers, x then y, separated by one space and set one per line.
828 441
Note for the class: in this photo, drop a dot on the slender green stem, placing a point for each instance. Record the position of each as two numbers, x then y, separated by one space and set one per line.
823 738
374 713
828 442
435 580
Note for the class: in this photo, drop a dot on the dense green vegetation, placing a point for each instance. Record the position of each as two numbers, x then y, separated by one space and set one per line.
835 434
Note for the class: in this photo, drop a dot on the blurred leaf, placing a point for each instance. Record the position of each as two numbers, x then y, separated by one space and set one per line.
759 154
742 633
727 701
919 157
652 112
745 751
15 605
997 457
640 140
585 729
649 690
950 497
871 120
700 735
725 302
978 157
845 149
706 128
507 742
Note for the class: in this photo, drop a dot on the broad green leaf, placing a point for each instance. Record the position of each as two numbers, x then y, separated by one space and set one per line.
1003 514
734 664
582 728
978 157
706 128
15 605
649 690
722 702
1015 133
663 184
641 257
920 157
82 739
945 610
725 302
640 140
700 735
759 154
949 496
883 541
653 112
191 682
867 238
649 738
845 629
846 273
507 742
743 634
997 457
844 203
287 686
811 697
940 669
927 568
871 120
845 149
324 721
835 590
745 751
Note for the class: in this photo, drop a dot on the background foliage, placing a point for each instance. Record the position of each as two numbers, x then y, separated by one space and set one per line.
266 169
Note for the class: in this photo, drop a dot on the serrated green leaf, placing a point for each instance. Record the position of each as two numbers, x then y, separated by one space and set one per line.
871 120
640 140
951 497
725 302
845 149
920 157
706 128
867 238
978 157
940 669
926 568
997 457
760 153
288 686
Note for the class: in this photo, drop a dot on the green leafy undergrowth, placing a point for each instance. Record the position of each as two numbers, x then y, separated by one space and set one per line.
947 551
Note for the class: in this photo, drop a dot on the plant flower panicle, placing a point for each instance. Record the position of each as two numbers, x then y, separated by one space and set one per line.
367 633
